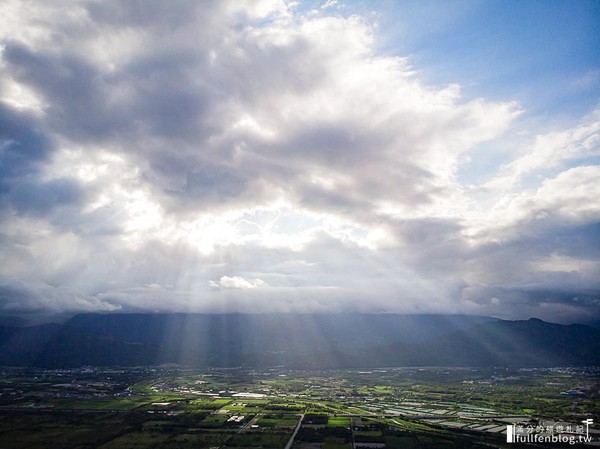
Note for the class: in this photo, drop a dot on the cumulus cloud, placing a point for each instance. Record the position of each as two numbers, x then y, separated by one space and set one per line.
237 282
253 156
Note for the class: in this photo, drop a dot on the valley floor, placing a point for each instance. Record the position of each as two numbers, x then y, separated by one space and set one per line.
173 407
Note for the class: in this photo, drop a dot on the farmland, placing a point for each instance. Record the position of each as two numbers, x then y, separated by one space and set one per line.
173 407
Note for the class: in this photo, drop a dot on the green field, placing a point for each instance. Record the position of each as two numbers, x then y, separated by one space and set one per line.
175 408
278 421
338 421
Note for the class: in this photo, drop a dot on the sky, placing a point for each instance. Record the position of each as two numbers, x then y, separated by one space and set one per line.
322 156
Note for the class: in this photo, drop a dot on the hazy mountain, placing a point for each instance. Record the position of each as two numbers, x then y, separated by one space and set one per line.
59 346
269 339
274 332
499 343
14 321
594 324
326 341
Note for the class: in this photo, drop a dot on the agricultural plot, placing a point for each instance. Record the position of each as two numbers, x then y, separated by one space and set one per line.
338 421
279 421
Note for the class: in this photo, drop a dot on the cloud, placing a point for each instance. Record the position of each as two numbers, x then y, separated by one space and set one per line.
237 282
21 296
39 198
254 156
23 146
570 197
554 151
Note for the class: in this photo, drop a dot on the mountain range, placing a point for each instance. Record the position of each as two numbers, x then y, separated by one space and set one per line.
297 341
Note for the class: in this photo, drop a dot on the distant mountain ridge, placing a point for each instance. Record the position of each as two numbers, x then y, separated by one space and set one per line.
298 340
63 346
275 331
531 343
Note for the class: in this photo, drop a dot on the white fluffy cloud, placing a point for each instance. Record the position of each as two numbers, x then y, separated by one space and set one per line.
236 282
166 156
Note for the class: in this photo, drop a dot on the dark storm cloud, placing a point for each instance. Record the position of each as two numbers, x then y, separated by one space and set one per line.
83 104
23 146
214 180
76 92
40 198
435 246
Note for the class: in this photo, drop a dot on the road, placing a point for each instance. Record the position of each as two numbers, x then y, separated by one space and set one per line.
291 440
